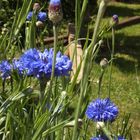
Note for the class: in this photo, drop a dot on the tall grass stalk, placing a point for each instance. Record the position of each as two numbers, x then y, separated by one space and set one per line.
111 63
55 51
87 66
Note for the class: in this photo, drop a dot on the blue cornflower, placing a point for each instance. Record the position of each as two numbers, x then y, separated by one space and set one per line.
102 110
41 16
39 64
29 16
5 69
55 2
105 138
63 64
30 60
19 66
120 138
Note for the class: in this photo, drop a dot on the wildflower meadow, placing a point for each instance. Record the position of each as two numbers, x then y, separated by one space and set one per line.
48 91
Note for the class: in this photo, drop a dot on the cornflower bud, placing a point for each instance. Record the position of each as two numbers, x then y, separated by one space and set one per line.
55 11
36 6
39 24
114 21
104 63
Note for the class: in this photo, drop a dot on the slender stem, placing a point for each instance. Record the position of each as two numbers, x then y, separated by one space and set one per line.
11 82
101 11
53 67
3 85
42 89
112 55
100 82
54 52
86 66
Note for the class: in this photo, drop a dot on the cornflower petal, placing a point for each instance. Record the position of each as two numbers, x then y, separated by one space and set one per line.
5 69
102 110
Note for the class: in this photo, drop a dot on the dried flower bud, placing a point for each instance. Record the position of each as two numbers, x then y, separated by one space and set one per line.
39 24
55 11
104 63
4 30
36 6
100 125
114 21
72 123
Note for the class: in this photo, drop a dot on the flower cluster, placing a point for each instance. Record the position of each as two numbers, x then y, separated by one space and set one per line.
102 110
41 16
5 69
38 64
105 138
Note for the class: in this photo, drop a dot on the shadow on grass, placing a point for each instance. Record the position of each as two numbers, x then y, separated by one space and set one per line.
121 11
127 51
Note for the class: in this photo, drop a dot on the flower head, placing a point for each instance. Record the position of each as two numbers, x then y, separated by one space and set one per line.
102 110
120 138
55 2
105 138
29 16
39 64
114 21
18 65
55 11
115 18
5 69
41 16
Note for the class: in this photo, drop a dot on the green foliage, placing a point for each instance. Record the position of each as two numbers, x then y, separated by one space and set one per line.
32 109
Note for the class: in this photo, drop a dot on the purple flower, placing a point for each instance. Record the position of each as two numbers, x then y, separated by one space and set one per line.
63 65
39 64
41 16
120 138
55 11
19 66
5 69
55 2
105 138
102 110
115 18
29 16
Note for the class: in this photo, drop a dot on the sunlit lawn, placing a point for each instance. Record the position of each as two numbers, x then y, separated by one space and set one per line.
125 89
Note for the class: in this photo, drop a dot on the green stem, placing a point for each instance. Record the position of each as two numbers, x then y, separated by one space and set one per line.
42 89
54 52
107 132
100 82
112 55
3 85
86 66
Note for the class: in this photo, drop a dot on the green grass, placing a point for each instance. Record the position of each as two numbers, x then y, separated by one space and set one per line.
124 86
125 90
